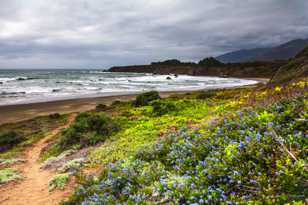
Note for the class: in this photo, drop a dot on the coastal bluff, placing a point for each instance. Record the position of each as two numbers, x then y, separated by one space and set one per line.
249 69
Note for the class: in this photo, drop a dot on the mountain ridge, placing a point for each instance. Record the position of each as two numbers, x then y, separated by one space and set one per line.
283 51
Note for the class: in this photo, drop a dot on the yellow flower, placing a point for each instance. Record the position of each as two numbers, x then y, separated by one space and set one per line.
277 89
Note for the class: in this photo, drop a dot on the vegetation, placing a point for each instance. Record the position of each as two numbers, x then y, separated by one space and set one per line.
88 129
8 175
168 62
295 68
210 62
59 181
230 146
145 98
9 140
14 138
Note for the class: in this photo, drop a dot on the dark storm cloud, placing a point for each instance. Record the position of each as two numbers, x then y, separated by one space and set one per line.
101 33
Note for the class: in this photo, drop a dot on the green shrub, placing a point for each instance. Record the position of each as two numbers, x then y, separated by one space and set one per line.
145 98
210 62
163 107
88 129
9 140
72 166
101 107
58 181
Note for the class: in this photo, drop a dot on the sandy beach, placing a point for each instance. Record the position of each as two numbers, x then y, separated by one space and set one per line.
15 113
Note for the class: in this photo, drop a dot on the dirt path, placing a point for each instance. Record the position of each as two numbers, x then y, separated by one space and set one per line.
33 189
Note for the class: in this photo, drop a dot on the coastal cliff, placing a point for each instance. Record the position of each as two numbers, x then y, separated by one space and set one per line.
251 69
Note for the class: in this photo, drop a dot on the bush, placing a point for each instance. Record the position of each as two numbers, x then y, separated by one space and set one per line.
162 107
9 140
54 116
58 181
210 62
101 107
145 98
88 129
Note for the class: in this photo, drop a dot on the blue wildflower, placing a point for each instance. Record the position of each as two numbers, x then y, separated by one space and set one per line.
248 139
241 145
258 136
203 163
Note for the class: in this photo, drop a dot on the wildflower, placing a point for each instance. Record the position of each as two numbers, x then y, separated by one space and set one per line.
203 163
258 136
241 145
270 124
248 139
277 89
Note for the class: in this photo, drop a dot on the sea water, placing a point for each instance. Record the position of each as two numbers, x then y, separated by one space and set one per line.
28 86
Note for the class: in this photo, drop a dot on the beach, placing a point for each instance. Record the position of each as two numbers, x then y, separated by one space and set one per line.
21 112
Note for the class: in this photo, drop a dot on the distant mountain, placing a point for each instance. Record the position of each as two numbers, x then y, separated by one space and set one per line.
281 52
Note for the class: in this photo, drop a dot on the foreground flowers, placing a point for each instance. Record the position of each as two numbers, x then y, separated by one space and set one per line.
253 157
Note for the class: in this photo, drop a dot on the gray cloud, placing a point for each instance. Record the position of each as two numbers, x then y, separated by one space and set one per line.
102 33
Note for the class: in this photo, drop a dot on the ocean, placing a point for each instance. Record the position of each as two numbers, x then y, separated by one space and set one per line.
29 86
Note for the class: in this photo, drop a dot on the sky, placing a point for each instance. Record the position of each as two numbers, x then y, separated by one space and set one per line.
104 33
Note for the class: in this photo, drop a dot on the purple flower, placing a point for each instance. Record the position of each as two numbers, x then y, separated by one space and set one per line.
258 136
241 145
203 163
270 124
248 139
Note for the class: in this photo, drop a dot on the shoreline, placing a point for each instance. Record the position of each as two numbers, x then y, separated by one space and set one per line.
21 112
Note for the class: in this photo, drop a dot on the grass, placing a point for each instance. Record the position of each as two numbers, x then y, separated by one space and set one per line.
28 132
8 175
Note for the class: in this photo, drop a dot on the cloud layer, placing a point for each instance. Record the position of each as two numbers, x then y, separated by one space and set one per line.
102 33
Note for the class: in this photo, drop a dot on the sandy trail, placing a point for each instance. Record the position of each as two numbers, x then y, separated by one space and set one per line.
33 189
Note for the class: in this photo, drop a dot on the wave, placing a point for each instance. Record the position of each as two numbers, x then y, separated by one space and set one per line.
12 94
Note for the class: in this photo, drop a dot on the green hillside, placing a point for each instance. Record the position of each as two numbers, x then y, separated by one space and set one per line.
296 67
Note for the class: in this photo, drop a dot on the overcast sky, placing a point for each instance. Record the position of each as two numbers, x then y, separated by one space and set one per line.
102 33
